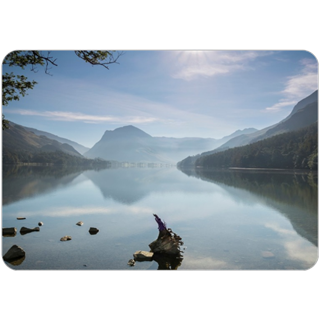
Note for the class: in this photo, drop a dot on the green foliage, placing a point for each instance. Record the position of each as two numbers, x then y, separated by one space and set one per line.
292 150
14 86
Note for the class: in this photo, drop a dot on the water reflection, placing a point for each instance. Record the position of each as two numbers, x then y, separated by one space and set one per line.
229 220
293 194
21 182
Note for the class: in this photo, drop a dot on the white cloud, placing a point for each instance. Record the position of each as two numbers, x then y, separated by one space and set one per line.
190 65
299 86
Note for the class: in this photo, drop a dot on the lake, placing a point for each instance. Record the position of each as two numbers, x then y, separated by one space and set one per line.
228 220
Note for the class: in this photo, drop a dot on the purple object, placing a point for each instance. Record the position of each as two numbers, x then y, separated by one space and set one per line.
161 225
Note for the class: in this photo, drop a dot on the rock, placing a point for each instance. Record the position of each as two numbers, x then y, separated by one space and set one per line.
80 223
93 230
131 262
14 253
267 254
21 218
66 238
25 230
9 232
40 223
143 256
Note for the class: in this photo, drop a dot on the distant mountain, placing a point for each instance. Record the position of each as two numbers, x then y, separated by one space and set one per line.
78 147
126 144
130 144
303 114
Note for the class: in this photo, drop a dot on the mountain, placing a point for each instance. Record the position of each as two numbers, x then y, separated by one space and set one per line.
130 144
303 114
297 149
18 139
126 144
78 147
304 102
22 146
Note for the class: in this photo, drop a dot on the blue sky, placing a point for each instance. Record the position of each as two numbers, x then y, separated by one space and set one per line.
165 93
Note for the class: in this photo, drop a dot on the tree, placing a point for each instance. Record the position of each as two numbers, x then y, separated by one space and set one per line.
15 86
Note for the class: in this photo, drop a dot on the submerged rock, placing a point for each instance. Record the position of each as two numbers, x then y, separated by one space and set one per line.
9 232
25 230
66 238
80 223
15 253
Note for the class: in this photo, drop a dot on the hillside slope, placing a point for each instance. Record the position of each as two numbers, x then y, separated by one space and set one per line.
292 150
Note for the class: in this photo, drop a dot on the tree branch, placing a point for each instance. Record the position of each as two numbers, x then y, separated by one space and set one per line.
101 58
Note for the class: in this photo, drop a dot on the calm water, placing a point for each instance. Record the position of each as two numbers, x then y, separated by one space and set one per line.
228 220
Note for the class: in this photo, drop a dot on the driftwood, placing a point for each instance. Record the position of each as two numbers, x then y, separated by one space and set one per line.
165 250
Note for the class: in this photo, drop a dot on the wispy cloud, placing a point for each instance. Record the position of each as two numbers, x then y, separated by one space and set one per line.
190 65
298 86
81 117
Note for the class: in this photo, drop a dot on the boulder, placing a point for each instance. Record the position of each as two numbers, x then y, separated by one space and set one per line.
80 223
25 230
66 238
93 230
9 232
40 223
14 253
143 256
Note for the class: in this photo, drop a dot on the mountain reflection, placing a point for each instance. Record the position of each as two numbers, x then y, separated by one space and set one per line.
21 182
293 194
130 185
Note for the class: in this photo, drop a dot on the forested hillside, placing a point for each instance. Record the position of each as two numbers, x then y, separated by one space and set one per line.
51 158
292 150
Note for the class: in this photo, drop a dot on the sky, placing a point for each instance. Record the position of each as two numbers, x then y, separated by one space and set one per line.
167 93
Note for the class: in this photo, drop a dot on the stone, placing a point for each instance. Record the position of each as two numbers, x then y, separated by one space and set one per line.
25 230
93 230
40 223
21 218
80 223
131 262
143 255
14 253
9 232
66 238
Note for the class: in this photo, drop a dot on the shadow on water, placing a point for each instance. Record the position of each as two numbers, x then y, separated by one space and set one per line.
292 193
